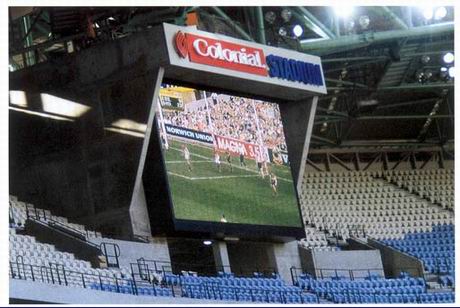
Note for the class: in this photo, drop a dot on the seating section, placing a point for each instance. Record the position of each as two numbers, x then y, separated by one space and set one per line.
316 240
373 290
399 208
127 287
436 249
434 185
31 260
40 254
18 211
359 204
228 287
24 249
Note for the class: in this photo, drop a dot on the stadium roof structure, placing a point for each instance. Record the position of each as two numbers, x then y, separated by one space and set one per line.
388 82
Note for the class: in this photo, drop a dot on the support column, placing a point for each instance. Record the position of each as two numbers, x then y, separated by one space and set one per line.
286 255
140 221
298 121
221 258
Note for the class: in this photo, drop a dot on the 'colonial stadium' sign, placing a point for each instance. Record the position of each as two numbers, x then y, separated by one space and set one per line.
213 52
195 49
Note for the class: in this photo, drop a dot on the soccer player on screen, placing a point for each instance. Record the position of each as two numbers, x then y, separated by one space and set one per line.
274 184
242 163
259 165
217 160
229 160
186 154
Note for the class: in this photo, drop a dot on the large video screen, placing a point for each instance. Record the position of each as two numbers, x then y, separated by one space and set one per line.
226 158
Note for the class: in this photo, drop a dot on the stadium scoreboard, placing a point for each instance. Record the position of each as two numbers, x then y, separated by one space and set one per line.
219 130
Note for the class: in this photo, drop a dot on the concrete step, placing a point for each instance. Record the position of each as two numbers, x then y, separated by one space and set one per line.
441 289
432 285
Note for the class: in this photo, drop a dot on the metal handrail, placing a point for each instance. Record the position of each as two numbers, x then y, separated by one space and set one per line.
168 267
351 272
49 218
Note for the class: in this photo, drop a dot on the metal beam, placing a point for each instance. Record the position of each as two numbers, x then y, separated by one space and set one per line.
373 150
313 23
324 140
232 23
331 119
417 102
260 25
402 117
378 37
347 83
423 87
408 16
350 59
336 120
395 18
355 64
333 112
48 43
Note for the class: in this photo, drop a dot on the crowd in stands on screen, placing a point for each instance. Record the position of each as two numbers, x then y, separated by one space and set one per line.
234 117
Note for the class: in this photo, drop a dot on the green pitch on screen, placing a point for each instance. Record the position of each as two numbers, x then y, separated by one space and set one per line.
242 196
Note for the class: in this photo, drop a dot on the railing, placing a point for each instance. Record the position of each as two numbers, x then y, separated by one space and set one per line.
111 252
41 215
215 291
358 297
351 274
354 297
144 266
58 274
335 273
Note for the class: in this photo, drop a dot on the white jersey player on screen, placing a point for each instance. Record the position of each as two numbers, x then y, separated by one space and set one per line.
217 160
186 154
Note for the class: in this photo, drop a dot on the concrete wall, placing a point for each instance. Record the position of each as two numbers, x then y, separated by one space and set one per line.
248 257
27 291
298 124
131 251
286 255
138 213
221 258
307 261
251 256
395 261
79 168
353 263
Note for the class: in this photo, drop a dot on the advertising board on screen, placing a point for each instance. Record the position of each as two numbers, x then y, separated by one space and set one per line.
226 159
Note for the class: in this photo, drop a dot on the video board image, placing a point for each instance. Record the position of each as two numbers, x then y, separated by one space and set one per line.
226 158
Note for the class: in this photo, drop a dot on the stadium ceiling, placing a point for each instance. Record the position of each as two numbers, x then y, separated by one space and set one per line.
388 83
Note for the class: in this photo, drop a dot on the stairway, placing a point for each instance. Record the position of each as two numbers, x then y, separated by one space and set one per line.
433 286
413 194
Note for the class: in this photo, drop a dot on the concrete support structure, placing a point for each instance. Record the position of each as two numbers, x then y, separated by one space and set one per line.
221 258
286 255
298 125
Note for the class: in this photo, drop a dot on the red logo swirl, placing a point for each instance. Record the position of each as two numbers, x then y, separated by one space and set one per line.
181 44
